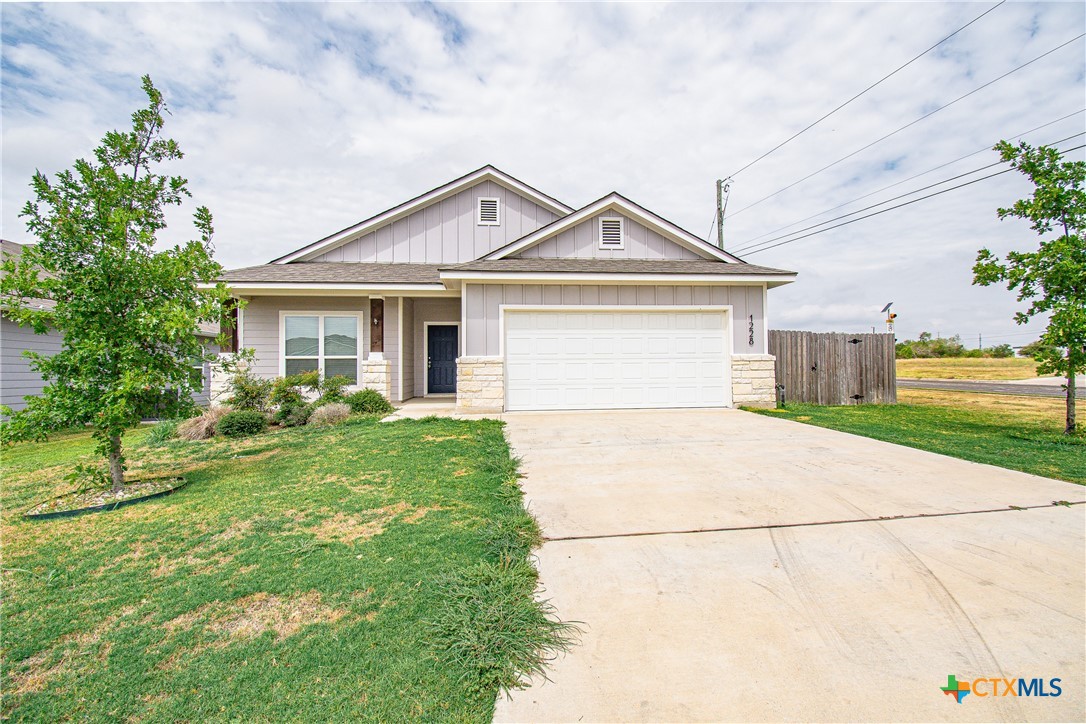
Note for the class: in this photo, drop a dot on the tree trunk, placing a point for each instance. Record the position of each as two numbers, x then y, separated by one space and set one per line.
116 462
1070 429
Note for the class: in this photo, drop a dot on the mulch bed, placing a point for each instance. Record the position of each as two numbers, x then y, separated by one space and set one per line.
86 501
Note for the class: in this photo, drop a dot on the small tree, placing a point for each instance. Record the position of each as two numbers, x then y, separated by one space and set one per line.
1053 278
128 314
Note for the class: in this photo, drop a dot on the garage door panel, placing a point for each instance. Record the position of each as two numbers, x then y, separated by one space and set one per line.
616 359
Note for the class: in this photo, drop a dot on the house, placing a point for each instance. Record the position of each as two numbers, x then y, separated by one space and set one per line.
490 291
18 380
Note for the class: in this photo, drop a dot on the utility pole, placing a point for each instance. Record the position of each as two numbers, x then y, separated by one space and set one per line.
980 341
723 186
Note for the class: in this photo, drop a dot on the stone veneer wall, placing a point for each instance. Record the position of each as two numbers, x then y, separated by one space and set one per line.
480 384
753 380
377 375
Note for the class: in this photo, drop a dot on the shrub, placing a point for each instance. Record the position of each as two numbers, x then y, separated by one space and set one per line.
162 432
369 402
330 414
241 423
203 425
295 416
248 392
1001 351
332 389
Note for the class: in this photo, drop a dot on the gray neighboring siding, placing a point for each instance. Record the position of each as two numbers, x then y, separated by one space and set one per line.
407 386
446 232
483 302
431 310
17 379
392 343
260 326
203 396
582 241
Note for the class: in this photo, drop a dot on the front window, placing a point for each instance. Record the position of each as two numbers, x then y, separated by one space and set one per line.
328 343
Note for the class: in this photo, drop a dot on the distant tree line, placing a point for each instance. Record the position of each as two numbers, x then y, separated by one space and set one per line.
929 345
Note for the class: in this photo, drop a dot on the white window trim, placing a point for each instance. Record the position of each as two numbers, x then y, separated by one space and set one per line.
621 233
479 211
360 328
426 355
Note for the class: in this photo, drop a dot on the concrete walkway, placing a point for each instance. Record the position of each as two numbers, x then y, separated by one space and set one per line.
836 578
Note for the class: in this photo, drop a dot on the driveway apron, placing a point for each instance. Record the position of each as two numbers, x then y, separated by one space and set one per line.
728 566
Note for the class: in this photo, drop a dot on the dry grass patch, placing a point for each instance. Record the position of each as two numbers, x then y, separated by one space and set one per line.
1038 409
250 616
443 438
967 368
351 527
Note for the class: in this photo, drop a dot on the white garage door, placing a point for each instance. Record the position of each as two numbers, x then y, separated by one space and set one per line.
616 359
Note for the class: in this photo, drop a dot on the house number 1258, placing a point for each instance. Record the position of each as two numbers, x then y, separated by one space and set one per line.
750 340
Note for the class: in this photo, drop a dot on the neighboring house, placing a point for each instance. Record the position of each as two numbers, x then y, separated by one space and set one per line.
19 381
491 291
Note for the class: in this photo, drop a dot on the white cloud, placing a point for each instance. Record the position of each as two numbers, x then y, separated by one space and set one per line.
300 119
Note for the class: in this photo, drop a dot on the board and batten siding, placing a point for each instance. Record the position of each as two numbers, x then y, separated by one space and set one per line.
484 301
436 310
582 242
446 232
17 379
260 326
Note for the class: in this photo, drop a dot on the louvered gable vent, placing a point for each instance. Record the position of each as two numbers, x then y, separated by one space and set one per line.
611 233
489 212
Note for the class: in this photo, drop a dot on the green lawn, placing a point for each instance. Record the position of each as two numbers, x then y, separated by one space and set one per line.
1019 440
294 578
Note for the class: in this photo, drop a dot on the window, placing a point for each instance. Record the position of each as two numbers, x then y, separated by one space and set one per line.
489 211
326 342
612 234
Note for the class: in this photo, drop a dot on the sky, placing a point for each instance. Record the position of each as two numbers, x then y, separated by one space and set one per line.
300 119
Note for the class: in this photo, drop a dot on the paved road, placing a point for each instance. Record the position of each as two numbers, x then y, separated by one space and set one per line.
834 577
999 388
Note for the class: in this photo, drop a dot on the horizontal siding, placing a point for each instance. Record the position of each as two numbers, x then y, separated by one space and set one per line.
407 384
483 302
582 242
17 379
260 324
446 232
392 342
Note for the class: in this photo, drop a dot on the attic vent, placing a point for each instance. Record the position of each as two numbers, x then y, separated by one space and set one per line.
489 212
611 233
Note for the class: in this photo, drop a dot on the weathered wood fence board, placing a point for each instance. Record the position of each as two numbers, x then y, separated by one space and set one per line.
832 368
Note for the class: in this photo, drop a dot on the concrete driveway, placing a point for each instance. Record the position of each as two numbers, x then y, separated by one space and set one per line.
734 567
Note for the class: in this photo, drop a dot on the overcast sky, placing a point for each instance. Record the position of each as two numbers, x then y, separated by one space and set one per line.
300 119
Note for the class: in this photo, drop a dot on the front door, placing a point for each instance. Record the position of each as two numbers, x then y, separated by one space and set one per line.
441 353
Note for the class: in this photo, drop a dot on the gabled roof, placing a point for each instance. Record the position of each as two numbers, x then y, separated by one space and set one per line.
486 173
618 202
337 272
615 266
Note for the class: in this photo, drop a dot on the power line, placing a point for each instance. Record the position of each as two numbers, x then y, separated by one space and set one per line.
883 211
886 201
746 243
865 90
907 125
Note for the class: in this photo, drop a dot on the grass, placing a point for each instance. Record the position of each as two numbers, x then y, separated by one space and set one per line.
966 368
1011 432
302 574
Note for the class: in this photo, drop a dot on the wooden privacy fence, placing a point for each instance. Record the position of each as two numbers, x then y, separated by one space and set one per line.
831 368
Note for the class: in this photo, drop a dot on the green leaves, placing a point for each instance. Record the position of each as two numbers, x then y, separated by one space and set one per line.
1053 278
128 314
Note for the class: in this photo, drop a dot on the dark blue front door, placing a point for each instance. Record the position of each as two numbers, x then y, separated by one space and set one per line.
441 343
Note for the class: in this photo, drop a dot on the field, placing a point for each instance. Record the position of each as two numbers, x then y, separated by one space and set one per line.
966 368
302 575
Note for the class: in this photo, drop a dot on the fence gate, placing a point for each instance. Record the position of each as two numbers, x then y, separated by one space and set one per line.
831 368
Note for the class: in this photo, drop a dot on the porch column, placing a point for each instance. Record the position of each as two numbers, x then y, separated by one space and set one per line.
377 328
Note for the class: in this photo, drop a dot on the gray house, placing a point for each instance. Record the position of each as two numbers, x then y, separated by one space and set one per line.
19 381
490 291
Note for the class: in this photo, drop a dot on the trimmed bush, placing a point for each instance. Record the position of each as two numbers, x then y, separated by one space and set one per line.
330 414
241 423
294 416
332 389
369 402
203 425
